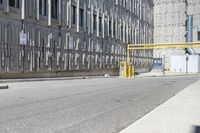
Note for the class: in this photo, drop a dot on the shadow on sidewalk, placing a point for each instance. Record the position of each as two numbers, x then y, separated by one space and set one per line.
196 129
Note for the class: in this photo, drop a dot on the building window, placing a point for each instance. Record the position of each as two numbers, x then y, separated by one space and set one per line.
40 7
198 35
95 22
54 9
122 28
14 3
125 33
43 7
1 1
81 21
114 30
73 14
100 24
110 27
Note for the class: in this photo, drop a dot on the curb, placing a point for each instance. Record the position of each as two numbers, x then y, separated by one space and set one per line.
51 79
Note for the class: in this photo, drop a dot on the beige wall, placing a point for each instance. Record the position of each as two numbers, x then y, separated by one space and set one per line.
169 24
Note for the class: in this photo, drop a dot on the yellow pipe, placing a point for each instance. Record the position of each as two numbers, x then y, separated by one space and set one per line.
129 69
163 46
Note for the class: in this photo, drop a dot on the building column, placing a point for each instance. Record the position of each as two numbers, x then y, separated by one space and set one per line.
23 9
6 5
59 12
103 25
77 15
92 19
37 9
98 22
49 12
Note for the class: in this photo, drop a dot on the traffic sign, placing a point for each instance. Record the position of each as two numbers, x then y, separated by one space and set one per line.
22 39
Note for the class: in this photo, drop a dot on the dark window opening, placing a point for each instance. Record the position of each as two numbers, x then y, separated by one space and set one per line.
73 14
114 30
81 21
1 1
14 3
100 24
40 7
110 27
198 35
43 7
122 32
17 4
95 22
54 9
125 34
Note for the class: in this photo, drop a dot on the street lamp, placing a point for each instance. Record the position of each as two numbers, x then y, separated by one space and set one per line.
187 59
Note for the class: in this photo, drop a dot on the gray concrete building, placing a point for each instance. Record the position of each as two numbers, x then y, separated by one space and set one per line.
40 35
170 25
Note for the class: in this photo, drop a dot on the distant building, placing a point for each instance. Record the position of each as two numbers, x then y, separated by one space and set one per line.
170 25
72 34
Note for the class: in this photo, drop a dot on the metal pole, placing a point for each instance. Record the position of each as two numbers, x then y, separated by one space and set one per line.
128 56
23 47
23 29
187 59
163 64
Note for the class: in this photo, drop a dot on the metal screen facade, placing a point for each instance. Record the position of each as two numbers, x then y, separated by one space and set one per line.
73 34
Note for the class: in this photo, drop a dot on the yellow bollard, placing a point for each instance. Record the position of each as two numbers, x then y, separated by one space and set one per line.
133 71
126 70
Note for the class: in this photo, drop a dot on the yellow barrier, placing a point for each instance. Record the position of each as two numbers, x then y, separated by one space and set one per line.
126 70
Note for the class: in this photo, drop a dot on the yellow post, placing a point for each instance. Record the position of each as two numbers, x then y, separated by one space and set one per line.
129 70
133 71
128 56
125 71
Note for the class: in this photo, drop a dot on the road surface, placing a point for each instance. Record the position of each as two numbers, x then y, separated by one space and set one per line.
83 106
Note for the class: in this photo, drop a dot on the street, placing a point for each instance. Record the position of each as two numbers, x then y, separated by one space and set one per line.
101 105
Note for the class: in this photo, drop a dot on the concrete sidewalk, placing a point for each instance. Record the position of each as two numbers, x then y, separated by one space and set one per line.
180 114
160 74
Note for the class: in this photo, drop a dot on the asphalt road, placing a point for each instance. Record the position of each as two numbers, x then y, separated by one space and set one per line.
83 106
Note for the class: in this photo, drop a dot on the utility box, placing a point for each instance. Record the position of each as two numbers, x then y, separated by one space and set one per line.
185 63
